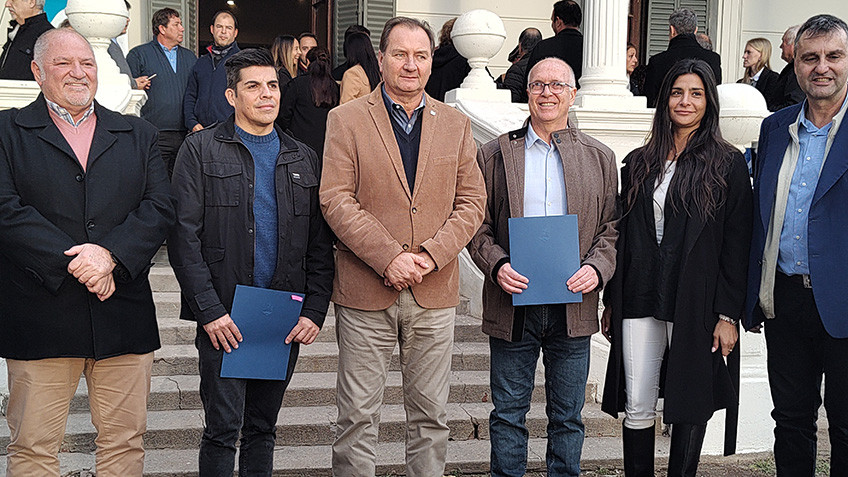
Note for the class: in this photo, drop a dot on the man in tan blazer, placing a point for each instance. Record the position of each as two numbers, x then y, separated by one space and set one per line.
546 168
403 194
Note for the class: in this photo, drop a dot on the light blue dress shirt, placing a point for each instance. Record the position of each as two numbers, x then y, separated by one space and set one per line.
793 258
171 55
544 180
399 114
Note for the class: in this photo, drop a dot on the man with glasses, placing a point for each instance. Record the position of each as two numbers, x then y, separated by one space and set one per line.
546 168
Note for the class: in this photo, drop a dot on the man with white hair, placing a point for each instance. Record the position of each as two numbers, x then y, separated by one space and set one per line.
84 206
28 23
787 91
527 173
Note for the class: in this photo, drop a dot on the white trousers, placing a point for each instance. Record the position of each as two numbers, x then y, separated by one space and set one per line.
643 341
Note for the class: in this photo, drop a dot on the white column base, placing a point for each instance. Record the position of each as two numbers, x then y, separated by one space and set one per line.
622 130
492 95
626 102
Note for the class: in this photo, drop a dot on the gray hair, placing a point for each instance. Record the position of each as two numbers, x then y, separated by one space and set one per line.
683 20
820 25
792 33
39 4
704 41
569 72
43 44
409 23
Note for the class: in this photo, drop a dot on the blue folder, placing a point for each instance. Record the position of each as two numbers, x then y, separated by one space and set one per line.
265 318
546 250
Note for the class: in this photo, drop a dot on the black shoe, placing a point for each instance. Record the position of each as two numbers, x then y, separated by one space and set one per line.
638 452
686 443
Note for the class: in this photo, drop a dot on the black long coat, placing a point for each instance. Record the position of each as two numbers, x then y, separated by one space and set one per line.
711 281
299 115
17 54
49 204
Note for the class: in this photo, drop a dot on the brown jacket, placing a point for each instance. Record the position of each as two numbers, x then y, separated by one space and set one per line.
591 185
367 203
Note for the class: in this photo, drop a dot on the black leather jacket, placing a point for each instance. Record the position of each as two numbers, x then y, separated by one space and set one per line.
212 246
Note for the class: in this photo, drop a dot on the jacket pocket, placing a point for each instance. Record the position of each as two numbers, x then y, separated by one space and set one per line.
303 188
223 184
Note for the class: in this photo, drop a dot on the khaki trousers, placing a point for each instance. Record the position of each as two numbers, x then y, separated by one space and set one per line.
40 393
366 342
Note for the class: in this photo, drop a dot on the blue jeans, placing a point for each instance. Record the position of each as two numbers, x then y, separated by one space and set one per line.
513 367
233 407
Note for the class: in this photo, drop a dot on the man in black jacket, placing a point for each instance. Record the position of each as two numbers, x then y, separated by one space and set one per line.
84 206
248 214
567 44
28 23
682 43
787 92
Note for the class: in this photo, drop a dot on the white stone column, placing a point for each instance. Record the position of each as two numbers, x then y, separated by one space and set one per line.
603 84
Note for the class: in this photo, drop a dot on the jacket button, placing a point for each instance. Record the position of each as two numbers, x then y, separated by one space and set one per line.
250 231
405 247
414 210
559 141
250 186
556 135
79 177
90 224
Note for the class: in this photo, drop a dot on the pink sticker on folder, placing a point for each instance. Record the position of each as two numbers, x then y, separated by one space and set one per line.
297 298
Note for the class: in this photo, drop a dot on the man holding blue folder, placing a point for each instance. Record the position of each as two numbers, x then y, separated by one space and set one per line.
248 214
547 168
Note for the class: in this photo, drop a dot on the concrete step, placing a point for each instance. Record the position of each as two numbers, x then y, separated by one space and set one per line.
174 331
463 458
315 426
181 392
319 357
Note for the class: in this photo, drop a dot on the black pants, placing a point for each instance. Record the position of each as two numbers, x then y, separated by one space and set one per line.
169 145
237 406
800 351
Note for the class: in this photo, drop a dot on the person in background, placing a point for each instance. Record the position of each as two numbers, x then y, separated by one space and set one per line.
307 42
172 64
339 71
682 27
567 43
449 67
704 40
285 50
117 54
513 79
796 274
364 72
28 23
787 91
632 63
205 103
758 73
307 101
673 304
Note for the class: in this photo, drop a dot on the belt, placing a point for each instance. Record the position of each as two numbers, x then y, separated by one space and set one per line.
802 279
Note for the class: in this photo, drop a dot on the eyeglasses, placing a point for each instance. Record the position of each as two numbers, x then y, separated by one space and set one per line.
556 87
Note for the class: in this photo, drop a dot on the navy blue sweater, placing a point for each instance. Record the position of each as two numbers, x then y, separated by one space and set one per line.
164 107
204 102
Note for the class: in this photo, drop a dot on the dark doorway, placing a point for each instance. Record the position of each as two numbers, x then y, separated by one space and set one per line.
262 20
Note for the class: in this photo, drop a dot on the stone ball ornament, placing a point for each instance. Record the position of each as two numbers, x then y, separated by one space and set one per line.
742 110
478 35
97 18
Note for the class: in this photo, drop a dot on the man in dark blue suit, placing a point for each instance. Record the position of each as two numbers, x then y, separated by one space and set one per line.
799 254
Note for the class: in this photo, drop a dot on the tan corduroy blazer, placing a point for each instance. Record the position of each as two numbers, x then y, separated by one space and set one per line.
367 202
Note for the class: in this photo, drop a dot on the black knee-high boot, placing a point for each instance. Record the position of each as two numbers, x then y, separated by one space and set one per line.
638 451
686 443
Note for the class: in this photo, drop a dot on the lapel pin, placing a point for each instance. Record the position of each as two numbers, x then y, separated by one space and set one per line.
432 113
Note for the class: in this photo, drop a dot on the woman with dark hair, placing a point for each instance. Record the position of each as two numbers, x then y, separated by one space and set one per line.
673 304
449 67
364 73
307 101
286 52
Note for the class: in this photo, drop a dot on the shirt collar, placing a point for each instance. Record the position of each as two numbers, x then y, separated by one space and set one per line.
756 77
65 115
165 48
393 106
532 138
811 128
